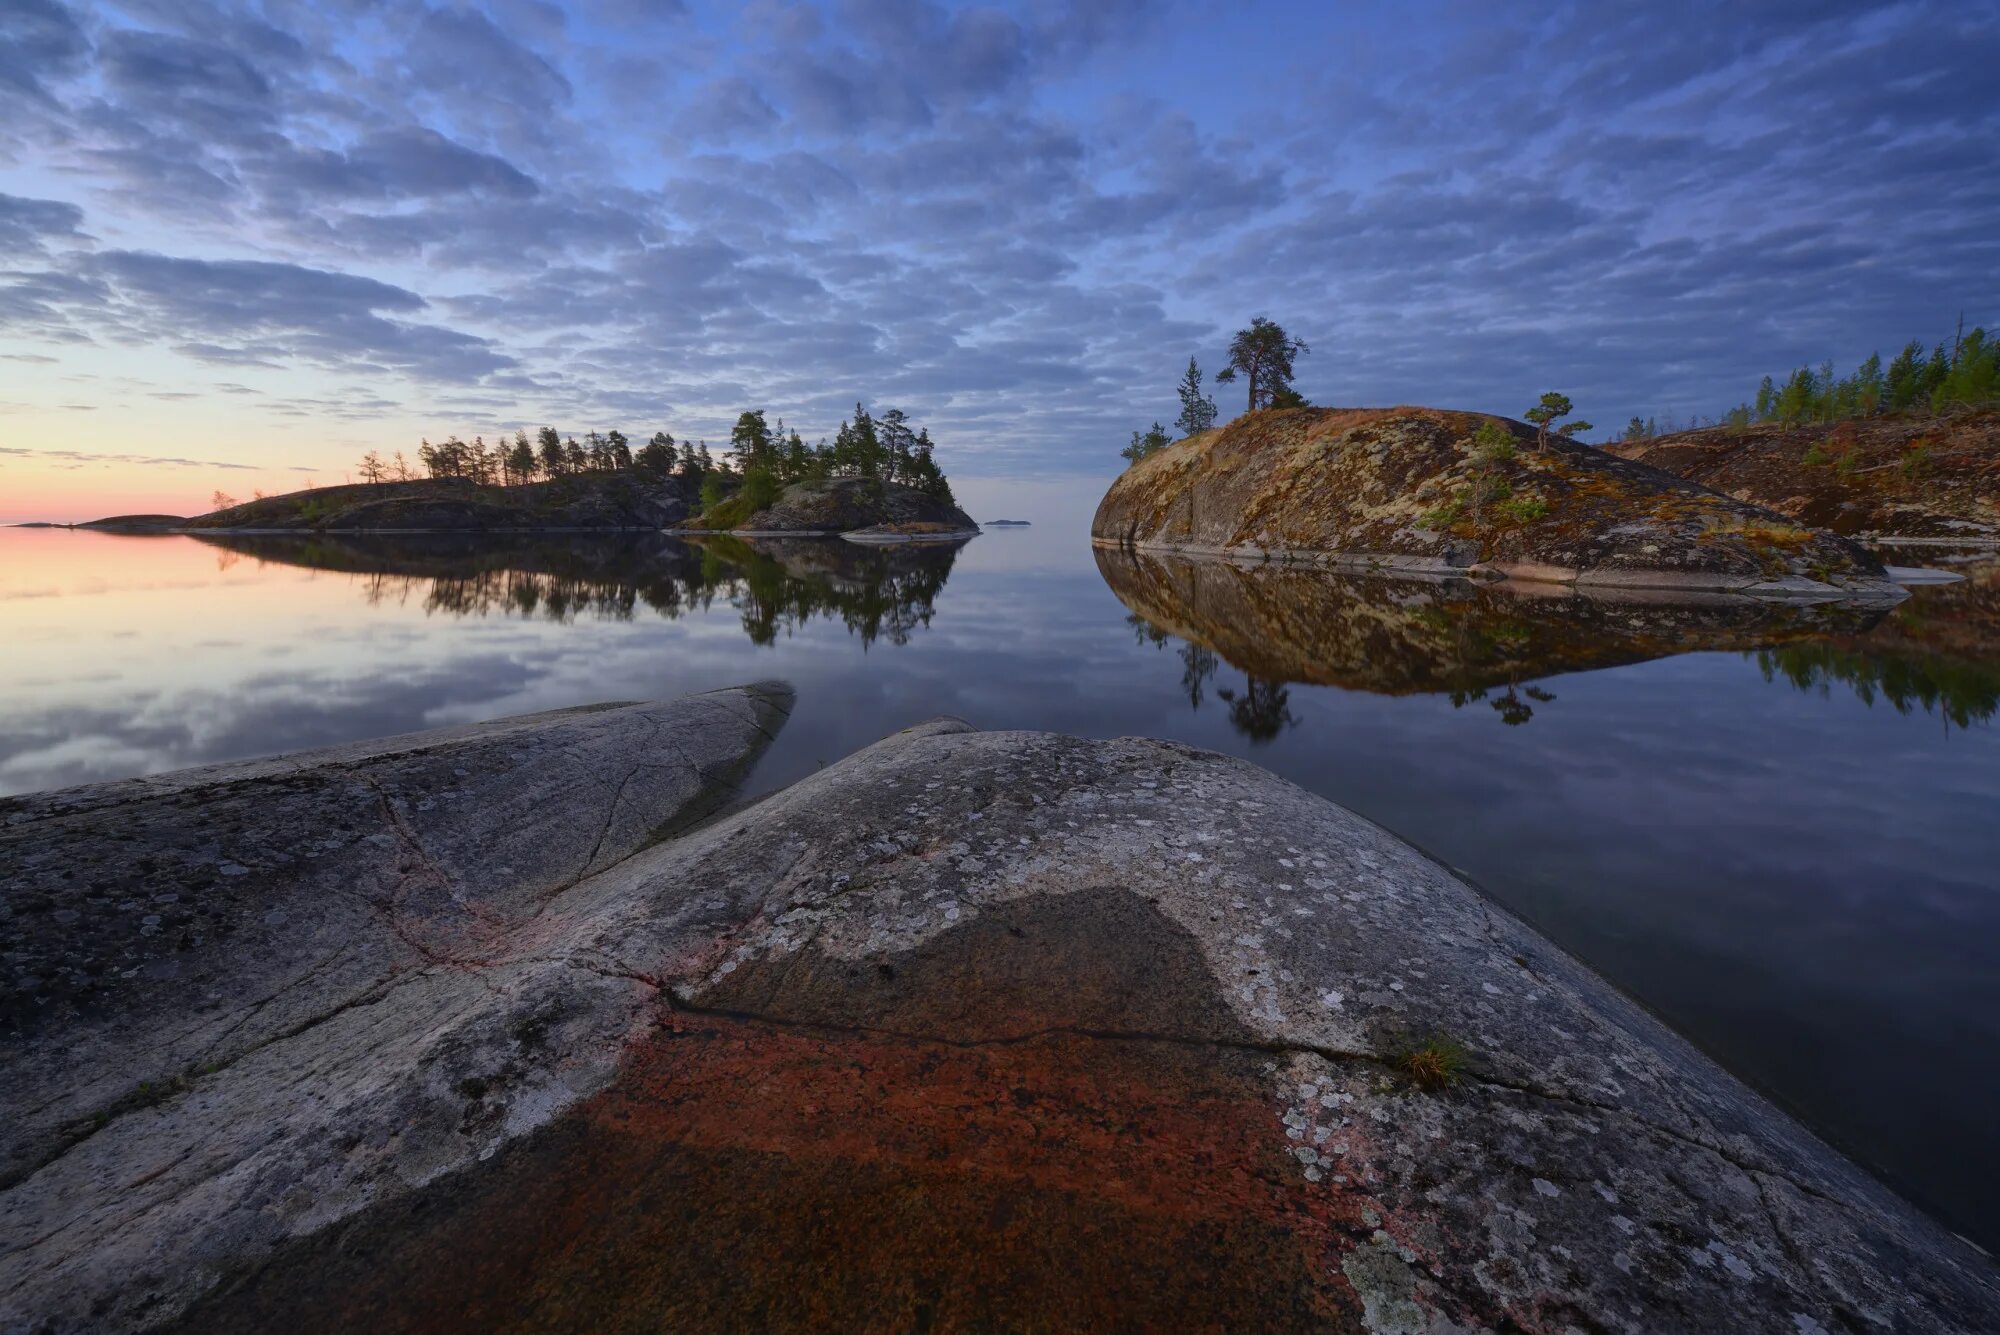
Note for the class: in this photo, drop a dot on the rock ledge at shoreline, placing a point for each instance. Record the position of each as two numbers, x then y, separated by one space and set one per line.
519 1025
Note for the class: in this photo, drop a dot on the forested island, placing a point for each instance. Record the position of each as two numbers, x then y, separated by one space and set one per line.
877 478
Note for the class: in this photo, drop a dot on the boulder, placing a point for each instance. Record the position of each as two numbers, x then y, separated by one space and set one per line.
1410 489
976 1029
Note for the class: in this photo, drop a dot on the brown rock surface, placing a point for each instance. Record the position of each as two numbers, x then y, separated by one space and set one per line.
1905 475
1394 489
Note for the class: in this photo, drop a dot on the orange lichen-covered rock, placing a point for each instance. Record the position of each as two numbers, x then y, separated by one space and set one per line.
1418 489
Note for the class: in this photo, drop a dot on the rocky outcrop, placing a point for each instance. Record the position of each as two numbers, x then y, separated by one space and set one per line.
1411 489
628 499
1397 636
845 505
969 1029
1900 475
175 946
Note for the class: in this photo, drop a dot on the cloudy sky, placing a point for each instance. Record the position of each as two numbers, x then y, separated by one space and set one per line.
241 242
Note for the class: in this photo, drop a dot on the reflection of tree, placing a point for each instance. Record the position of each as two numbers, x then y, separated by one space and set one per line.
1262 711
1197 666
876 592
1961 691
1513 710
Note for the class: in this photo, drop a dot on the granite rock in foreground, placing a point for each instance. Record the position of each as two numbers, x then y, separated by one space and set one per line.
981 1029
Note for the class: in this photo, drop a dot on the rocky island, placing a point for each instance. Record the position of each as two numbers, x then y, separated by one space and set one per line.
626 499
863 509
1421 490
523 1024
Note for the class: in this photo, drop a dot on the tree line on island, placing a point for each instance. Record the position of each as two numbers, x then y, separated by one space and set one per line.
762 459
1963 373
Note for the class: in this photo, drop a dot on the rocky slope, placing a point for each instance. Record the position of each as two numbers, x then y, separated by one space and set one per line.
1395 636
137 523
628 499
1410 489
852 506
1900 475
968 1030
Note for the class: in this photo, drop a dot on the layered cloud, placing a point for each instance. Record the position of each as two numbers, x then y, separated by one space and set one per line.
1016 220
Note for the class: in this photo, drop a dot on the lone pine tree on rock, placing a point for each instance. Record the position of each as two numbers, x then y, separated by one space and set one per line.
1264 353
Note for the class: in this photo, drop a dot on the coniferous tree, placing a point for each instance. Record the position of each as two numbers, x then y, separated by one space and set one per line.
867 444
575 458
897 443
1197 409
657 455
1145 443
618 452
1545 414
750 439
521 458
555 460
1263 355
372 467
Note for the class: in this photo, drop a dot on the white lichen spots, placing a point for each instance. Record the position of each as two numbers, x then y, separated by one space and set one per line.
1622 1224
1331 999
1806 1325
1546 1187
1731 1262
1606 1192
1490 990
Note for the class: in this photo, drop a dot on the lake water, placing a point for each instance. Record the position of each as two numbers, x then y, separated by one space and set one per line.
1779 828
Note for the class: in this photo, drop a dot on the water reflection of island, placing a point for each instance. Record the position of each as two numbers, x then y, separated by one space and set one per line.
1470 642
1938 653
775 585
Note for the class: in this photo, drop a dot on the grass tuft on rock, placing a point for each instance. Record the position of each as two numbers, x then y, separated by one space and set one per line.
1434 1064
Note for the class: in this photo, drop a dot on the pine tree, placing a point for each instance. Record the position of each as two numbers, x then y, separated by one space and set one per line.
1263 353
867 445
657 456
555 460
618 451
897 443
1145 443
521 459
1545 414
750 439
1197 409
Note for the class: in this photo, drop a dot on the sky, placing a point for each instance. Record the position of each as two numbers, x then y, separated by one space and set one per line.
242 242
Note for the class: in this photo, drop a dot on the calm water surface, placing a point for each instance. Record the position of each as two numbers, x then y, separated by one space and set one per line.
1779 829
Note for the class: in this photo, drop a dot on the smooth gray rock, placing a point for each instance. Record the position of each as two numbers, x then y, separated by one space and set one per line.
157 930
903 979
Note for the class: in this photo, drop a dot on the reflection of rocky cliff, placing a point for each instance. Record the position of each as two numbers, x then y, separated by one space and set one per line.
1281 624
775 585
